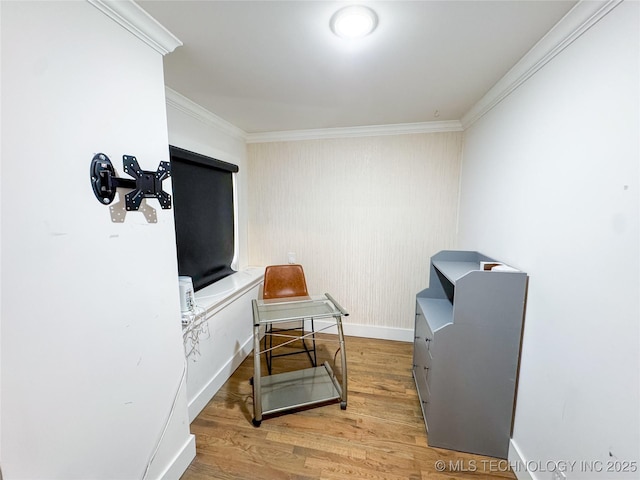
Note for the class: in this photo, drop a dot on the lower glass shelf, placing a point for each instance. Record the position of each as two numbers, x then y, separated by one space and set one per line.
290 390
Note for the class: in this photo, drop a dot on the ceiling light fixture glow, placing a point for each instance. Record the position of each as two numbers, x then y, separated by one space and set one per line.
356 21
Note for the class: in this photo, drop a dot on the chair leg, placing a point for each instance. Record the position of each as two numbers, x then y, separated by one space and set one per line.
313 340
309 350
268 329
313 358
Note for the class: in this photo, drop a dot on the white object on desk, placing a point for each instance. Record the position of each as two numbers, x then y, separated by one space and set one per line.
187 302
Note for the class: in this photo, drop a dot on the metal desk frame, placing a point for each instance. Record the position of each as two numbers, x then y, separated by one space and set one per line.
301 388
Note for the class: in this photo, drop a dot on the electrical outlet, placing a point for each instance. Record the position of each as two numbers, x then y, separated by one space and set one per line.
558 475
291 257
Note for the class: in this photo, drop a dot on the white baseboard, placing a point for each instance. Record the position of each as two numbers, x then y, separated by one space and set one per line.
367 331
201 399
182 460
518 462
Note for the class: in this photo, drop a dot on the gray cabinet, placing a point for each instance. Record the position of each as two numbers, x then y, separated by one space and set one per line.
466 352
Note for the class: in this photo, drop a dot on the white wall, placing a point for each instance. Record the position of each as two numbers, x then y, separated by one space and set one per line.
550 185
363 216
92 355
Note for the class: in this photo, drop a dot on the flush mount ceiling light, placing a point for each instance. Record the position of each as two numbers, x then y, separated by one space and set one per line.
356 21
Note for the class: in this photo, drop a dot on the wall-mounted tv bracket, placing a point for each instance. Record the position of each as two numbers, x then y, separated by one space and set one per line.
145 184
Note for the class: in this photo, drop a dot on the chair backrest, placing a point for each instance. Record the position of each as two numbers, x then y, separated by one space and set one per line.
283 281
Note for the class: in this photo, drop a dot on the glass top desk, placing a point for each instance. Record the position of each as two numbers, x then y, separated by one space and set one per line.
301 388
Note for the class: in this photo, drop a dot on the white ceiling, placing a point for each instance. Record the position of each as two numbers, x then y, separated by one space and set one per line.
269 66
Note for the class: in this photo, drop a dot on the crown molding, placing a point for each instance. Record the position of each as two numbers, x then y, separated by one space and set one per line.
189 107
576 22
131 16
351 132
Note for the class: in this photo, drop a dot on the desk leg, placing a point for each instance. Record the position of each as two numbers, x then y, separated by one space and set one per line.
257 394
343 359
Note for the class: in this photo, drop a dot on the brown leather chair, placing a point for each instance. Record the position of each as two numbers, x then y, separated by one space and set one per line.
286 283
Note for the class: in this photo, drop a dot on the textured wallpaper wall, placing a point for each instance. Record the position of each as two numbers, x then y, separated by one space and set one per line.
363 216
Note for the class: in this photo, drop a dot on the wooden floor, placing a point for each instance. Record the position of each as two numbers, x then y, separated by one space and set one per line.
380 435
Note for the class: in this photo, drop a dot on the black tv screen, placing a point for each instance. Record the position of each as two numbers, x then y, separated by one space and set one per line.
204 215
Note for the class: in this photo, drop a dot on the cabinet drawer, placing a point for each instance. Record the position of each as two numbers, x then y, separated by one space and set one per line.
421 355
427 392
420 315
422 329
420 375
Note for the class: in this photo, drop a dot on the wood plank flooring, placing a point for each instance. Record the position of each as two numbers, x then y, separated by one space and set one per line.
380 436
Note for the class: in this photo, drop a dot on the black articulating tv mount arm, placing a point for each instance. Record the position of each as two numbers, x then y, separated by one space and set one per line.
145 184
